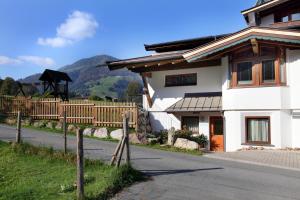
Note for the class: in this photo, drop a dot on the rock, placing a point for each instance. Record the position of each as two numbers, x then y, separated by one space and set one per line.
10 121
27 122
133 138
171 136
88 131
142 138
59 126
36 124
42 124
50 125
101 133
72 128
117 134
186 144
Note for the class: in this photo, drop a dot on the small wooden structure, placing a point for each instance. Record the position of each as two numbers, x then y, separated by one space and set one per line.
53 83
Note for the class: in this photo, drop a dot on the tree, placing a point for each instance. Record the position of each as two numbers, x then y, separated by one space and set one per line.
134 91
9 86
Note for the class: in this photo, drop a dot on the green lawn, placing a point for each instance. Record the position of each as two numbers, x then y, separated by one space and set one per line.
28 172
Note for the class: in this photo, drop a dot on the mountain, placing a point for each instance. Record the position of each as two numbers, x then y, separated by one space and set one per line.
91 80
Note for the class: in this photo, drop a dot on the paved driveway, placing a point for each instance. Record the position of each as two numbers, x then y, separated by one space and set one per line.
273 158
180 176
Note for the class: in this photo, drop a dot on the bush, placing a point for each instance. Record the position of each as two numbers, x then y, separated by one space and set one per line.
201 140
186 134
162 136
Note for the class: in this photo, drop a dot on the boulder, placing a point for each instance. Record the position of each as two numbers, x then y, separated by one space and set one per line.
117 134
186 144
42 124
10 121
27 122
59 126
50 125
36 124
101 133
88 131
133 138
171 136
72 128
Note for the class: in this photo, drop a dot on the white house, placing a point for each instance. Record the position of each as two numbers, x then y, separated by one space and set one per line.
240 89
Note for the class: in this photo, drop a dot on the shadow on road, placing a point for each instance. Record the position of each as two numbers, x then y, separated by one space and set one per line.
179 171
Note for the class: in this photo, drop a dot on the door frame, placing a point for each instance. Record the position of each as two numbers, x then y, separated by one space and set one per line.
210 130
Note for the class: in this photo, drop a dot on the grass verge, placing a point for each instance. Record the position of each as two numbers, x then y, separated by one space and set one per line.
28 172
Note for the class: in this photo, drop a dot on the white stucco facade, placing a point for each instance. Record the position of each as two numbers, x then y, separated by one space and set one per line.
280 103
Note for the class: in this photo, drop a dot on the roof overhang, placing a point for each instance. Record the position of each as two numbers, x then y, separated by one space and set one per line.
146 60
259 33
201 102
264 6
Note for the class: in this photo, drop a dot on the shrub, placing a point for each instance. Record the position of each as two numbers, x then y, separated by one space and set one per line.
186 134
162 136
201 140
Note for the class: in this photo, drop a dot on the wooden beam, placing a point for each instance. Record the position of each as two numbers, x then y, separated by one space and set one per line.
255 47
146 90
177 66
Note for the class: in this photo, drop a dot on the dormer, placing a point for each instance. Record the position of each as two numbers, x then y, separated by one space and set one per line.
283 14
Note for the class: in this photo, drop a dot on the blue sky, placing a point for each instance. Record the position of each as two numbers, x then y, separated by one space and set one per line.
39 34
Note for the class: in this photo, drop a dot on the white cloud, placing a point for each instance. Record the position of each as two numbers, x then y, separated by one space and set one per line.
78 26
34 60
4 60
54 42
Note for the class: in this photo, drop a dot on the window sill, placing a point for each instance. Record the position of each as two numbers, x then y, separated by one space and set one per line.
253 144
259 86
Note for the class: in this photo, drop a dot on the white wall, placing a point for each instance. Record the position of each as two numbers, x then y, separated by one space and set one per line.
208 80
293 73
236 128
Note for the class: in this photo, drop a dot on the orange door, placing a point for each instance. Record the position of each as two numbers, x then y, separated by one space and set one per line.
216 134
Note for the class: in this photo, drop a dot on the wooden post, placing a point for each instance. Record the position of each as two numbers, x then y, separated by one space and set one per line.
65 131
121 151
113 159
18 136
80 156
126 134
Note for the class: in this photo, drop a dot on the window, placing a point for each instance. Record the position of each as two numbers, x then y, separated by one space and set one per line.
295 16
268 71
285 19
258 130
244 73
181 80
266 68
190 123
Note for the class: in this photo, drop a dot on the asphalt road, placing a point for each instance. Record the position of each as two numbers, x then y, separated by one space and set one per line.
181 176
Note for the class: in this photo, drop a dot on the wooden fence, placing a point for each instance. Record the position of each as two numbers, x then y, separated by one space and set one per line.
104 114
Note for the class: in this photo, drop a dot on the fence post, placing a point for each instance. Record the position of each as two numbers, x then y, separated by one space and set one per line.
65 130
18 136
126 134
80 156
